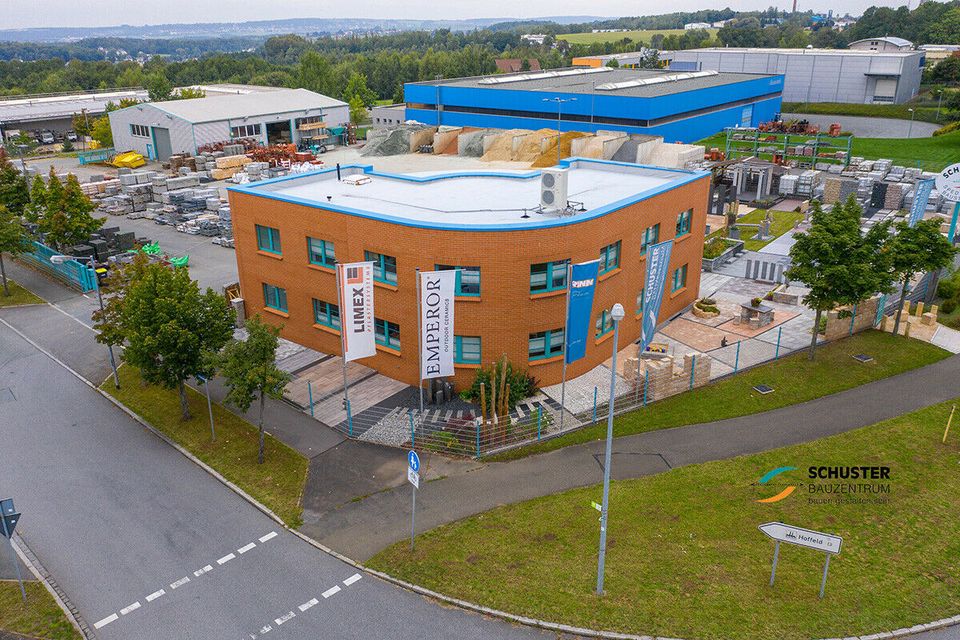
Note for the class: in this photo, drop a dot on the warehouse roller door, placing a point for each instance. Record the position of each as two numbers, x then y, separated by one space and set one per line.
161 143
885 90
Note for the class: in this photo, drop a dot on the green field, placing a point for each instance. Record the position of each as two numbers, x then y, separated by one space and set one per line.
923 113
641 35
685 558
782 222
41 617
794 377
18 295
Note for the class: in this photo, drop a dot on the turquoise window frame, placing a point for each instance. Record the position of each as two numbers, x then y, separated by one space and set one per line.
610 257
459 290
327 252
268 239
326 314
458 354
382 333
550 271
274 297
552 344
604 323
679 278
647 240
380 263
684 221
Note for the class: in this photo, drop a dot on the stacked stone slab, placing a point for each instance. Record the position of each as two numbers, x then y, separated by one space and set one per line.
839 323
660 378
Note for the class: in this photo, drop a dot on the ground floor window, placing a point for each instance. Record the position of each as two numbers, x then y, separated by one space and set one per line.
466 349
274 297
326 314
545 344
387 333
680 278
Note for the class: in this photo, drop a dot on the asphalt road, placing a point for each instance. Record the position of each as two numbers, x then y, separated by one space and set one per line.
149 546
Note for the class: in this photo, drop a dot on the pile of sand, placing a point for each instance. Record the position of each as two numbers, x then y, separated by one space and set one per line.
549 156
533 145
502 147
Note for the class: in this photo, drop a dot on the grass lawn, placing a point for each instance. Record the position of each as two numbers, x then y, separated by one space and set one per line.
921 113
783 221
685 558
277 483
40 618
795 379
642 34
18 295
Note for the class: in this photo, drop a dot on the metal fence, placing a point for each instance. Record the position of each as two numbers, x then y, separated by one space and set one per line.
75 274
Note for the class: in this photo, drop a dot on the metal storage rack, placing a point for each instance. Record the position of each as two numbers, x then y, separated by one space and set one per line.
805 149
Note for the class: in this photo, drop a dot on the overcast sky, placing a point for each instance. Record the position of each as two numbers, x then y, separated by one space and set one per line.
88 13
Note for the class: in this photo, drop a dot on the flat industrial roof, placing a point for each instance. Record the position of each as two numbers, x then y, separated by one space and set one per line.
791 52
45 107
473 201
568 80
246 105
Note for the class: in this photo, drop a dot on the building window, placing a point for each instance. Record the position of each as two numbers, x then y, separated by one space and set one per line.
549 276
387 333
268 239
274 297
680 278
683 222
545 344
604 323
610 257
640 302
466 349
651 235
245 131
468 279
326 314
321 252
140 131
384 267
308 120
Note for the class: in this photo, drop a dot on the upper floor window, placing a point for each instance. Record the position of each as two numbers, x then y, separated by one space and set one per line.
387 333
545 344
274 297
679 278
268 239
140 131
548 276
326 314
610 257
468 279
651 235
384 267
321 252
683 222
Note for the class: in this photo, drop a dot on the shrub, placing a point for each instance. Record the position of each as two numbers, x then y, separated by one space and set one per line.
949 306
714 248
823 325
522 384
947 289
756 302
947 128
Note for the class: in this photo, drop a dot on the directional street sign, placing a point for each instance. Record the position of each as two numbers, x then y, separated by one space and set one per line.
803 537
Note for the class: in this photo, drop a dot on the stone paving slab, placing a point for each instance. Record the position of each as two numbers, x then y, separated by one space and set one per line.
751 352
698 336
748 331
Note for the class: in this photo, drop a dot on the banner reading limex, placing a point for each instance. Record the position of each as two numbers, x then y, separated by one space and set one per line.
356 309
583 281
920 199
658 262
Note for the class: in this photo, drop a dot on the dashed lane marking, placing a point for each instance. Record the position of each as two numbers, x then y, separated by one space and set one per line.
290 615
179 583
110 618
242 550
329 592
269 536
349 581
129 608
227 558
156 594
309 603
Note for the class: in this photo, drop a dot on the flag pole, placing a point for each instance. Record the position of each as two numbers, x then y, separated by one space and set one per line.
566 321
343 344
419 346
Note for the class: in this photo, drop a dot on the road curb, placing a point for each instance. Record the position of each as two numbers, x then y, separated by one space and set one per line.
462 604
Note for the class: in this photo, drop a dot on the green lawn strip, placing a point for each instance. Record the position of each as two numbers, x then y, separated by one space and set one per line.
924 113
41 617
782 222
18 296
277 483
685 558
794 378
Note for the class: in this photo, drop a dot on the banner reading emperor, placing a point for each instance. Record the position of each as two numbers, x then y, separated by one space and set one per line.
436 323
355 281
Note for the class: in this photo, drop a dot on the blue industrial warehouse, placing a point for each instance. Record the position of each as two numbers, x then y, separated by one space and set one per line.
679 106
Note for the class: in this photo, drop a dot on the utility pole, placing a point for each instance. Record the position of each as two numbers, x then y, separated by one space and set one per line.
559 102
617 313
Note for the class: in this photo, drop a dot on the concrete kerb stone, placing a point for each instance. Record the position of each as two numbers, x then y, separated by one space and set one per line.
463 604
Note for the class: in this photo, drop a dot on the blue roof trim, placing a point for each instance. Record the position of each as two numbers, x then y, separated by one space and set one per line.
689 176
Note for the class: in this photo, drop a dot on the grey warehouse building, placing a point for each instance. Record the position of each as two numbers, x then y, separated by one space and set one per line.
161 129
818 75
54 112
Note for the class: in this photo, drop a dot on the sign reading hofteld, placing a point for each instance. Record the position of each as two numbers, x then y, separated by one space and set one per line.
356 310
948 182
436 323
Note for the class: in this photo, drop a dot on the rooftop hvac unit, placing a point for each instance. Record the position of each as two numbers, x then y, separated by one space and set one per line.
553 189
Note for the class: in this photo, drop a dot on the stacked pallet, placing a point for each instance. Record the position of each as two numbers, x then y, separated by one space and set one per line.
226 166
894 195
838 189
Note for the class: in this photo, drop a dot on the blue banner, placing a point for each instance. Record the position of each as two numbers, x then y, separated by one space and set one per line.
580 288
920 199
658 263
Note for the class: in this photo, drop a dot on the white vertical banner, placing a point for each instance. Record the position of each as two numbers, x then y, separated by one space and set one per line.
356 310
436 323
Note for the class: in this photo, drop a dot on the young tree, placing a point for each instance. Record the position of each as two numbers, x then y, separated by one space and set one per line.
14 191
101 132
914 249
158 87
13 239
357 86
169 327
189 93
837 262
38 200
67 220
358 112
249 367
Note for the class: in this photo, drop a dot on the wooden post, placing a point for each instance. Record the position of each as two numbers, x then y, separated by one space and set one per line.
949 420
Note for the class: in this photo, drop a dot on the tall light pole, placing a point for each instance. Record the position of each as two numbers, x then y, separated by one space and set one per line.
559 102
910 128
617 314
939 102
60 259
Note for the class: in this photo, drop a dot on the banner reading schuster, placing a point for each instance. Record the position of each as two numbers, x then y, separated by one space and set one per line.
583 281
920 199
356 310
436 323
658 263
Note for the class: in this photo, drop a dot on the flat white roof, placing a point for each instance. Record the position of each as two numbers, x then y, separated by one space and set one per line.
473 201
43 107
791 52
246 105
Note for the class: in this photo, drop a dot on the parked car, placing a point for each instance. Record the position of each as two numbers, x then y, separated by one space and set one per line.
71 136
47 138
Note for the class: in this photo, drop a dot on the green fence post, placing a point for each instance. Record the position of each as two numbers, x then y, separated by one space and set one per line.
594 405
310 396
779 333
693 367
478 438
852 318
736 361
539 420
349 419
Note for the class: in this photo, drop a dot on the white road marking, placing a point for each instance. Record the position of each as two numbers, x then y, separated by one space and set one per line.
269 536
349 581
179 583
309 603
265 629
129 608
110 618
287 616
246 548
329 592
227 558
200 572
156 594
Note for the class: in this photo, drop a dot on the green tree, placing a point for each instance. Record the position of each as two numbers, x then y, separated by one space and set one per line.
13 240
101 132
66 220
82 124
358 111
916 249
38 200
170 328
838 263
189 93
357 86
158 87
249 367
314 73
14 191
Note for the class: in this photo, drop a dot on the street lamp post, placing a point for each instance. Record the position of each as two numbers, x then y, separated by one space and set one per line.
939 102
910 128
60 259
559 102
617 313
